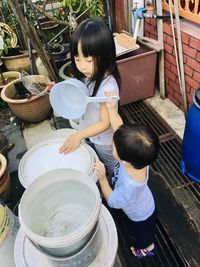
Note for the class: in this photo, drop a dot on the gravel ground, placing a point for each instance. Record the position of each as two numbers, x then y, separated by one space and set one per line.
5 115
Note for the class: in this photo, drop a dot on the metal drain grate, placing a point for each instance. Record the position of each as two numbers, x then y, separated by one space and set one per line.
166 255
141 112
168 164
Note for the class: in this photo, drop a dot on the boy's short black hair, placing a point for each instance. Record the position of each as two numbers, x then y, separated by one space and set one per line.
136 144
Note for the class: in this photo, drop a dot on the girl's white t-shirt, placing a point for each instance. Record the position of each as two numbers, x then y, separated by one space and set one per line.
92 113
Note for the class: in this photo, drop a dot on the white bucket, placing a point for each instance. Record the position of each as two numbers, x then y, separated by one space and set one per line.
26 255
59 210
80 259
44 157
9 226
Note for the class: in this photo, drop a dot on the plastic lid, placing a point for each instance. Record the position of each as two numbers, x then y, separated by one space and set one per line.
44 157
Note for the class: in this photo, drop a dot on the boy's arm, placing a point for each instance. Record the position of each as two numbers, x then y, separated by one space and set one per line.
115 119
101 173
105 188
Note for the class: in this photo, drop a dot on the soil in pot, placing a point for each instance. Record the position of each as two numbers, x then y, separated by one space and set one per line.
23 93
56 50
14 52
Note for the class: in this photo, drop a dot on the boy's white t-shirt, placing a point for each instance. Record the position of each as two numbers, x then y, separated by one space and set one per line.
134 198
92 113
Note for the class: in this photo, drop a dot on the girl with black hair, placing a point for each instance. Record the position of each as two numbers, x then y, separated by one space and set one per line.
93 59
135 147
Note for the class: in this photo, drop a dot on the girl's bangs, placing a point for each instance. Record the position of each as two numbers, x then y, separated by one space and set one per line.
87 46
74 46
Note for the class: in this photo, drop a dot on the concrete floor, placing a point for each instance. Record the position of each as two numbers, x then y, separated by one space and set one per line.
169 112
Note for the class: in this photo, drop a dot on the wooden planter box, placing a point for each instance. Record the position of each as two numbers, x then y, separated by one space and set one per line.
137 70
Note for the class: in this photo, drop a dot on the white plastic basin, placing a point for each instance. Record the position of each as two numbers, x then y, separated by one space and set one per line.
44 157
59 210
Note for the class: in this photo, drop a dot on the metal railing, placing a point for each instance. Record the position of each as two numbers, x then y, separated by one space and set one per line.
189 9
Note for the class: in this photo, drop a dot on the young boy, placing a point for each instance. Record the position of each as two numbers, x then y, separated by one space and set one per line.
135 147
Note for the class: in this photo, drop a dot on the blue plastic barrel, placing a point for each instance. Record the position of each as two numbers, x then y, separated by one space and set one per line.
190 163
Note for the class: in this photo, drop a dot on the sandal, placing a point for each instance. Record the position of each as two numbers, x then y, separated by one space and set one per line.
142 253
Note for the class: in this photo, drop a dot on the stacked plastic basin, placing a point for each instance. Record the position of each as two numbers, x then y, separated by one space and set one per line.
63 222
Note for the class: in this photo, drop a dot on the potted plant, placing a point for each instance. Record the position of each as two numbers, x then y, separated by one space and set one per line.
70 13
56 50
12 57
8 38
7 77
17 60
49 29
30 108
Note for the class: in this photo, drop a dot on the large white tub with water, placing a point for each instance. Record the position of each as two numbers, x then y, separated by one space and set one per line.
60 210
26 255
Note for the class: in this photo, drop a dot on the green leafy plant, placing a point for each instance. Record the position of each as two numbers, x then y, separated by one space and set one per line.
80 9
6 42
7 14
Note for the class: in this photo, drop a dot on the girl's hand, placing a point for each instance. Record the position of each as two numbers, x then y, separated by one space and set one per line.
100 170
111 104
49 86
70 144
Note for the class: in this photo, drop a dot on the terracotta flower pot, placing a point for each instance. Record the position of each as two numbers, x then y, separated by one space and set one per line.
4 179
34 109
65 71
18 62
8 76
56 51
49 29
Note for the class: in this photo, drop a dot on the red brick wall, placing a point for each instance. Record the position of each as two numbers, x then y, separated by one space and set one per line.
119 13
191 57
